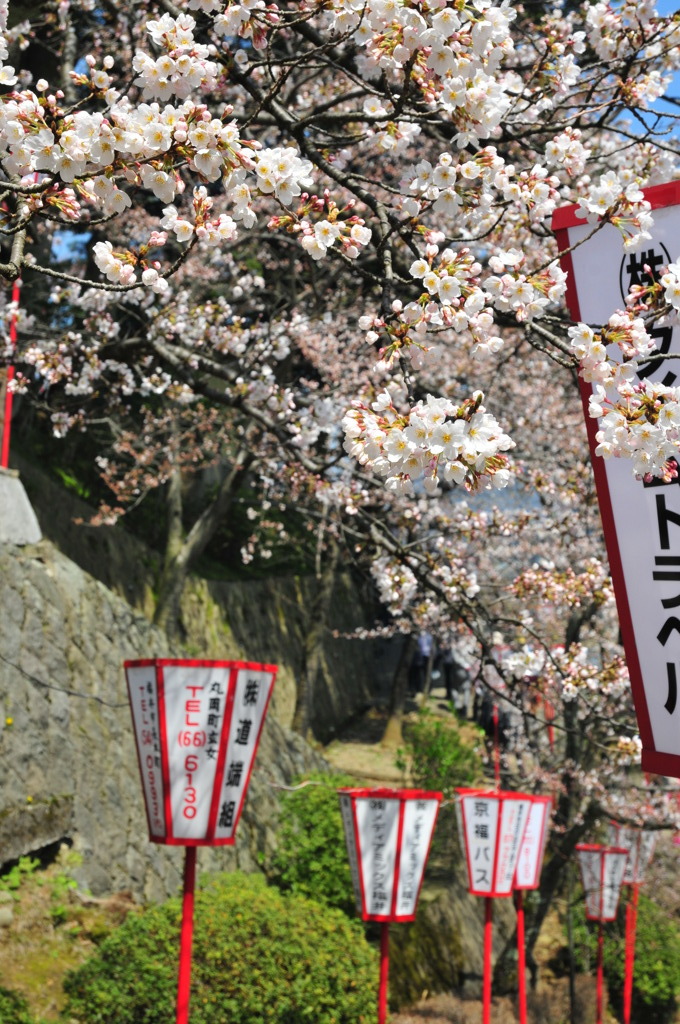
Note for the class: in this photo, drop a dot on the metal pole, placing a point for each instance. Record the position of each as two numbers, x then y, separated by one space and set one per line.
486 983
384 970
600 975
9 397
186 937
521 958
631 924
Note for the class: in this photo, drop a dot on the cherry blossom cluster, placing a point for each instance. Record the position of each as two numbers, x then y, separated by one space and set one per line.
434 439
624 205
183 67
566 587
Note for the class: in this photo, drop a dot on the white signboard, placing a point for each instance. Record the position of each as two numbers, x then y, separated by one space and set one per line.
197 725
493 830
532 850
388 835
602 870
641 520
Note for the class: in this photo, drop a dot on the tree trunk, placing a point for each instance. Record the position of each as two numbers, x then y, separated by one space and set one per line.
181 554
313 648
393 735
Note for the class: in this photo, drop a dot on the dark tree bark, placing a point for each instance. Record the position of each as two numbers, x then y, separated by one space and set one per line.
181 552
313 647
393 735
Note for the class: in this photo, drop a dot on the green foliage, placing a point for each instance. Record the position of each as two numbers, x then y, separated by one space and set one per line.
23 869
260 957
438 756
656 979
14 1008
311 856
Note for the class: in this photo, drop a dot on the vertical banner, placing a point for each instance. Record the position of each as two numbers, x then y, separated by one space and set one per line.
197 725
641 520
388 834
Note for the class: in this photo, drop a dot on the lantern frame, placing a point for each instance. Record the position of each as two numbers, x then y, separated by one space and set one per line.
501 796
603 851
164 775
404 796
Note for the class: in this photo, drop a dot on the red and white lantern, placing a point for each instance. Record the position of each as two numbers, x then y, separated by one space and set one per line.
641 520
197 726
640 844
492 825
532 850
388 834
602 869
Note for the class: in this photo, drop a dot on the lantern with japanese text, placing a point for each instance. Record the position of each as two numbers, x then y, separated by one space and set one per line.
602 869
197 725
527 876
640 845
388 834
492 825
641 517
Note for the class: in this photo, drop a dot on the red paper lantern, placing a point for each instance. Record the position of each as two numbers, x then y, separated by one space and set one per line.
197 726
492 825
388 834
532 849
602 869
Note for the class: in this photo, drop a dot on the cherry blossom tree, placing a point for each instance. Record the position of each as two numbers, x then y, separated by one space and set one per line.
308 245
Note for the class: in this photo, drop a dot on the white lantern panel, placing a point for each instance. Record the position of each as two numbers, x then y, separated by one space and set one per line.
627 838
590 863
194 738
645 518
251 697
417 828
378 826
480 825
614 867
143 691
647 845
513 823
350 840
532 849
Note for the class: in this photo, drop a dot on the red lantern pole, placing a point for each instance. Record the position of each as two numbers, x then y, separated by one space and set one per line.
631 925
384 971
187 936
600 973
488 940
521 958
9 397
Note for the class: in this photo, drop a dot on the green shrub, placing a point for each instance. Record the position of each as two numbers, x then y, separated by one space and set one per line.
14 1008
259 956
656 978
311 856
438 756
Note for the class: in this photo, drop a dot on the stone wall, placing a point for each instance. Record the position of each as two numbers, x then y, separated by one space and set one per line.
265 620
68 767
